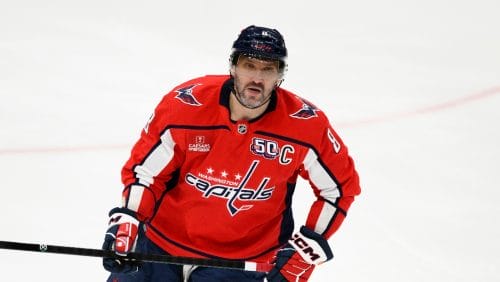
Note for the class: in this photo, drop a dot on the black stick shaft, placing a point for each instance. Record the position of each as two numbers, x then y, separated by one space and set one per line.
43 248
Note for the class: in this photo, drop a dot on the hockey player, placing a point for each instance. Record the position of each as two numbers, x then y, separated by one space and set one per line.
214 172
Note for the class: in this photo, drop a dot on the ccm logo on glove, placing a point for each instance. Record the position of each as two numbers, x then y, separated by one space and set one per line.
302 246
311 246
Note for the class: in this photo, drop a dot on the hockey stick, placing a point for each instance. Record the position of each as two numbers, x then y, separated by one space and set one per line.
155 258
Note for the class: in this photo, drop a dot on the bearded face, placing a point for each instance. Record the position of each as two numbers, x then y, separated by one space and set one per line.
254 80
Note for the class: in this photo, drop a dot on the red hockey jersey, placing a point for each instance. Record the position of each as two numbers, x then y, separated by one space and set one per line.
207 186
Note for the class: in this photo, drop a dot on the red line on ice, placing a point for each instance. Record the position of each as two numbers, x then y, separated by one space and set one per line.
423 110
349 124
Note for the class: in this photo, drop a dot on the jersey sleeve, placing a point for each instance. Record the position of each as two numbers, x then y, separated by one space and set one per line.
153 164
332 175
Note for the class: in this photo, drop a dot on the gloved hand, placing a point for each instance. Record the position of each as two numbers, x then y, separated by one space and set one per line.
297 259
121 237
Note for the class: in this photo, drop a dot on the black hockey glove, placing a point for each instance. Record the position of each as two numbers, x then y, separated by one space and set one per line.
297 259
121 237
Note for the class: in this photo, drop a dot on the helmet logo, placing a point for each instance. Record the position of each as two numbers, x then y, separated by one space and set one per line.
263 47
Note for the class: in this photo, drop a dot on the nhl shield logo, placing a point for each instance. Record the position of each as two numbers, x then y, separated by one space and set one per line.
242 128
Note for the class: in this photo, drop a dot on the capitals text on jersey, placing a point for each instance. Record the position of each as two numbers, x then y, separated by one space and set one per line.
232 193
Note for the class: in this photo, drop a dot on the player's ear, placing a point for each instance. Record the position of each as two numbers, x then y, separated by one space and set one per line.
231 70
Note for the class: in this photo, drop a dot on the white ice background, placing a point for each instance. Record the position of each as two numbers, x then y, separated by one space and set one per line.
413 87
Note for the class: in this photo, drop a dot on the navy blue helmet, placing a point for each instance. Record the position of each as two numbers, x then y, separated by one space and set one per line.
260 42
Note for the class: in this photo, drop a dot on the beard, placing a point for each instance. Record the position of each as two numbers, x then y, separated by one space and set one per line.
251 95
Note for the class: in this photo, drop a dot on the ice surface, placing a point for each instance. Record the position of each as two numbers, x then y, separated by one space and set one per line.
413 87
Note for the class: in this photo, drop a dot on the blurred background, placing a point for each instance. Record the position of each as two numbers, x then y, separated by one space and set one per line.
412 87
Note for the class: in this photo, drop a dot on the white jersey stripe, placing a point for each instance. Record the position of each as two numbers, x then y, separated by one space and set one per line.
320 177
135 197
327 187
155 162
324 218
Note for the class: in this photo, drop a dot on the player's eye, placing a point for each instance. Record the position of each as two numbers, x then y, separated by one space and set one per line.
249 66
